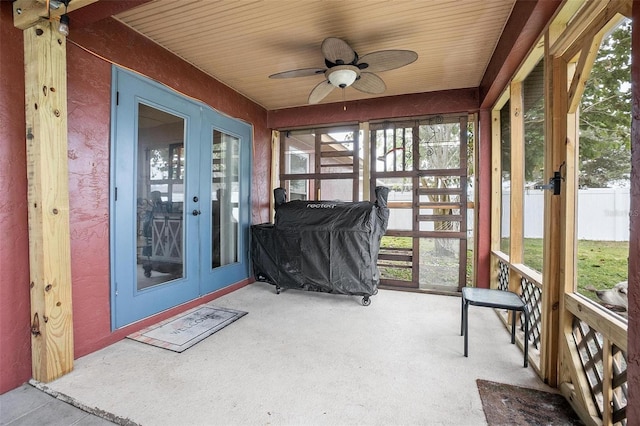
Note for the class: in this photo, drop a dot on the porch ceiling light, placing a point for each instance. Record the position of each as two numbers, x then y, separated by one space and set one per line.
343 75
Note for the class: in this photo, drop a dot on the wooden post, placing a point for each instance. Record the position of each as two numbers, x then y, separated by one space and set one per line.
366 161
555 220
516 221
516 230
275 171
496 195
48 198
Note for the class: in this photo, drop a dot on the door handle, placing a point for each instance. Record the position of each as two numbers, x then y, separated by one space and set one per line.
195 212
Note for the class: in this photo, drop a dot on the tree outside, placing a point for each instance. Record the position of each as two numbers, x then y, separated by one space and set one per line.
605 114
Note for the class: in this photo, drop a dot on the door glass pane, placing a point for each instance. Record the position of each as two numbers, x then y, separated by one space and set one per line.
297 189
395 258
336 190
225 193
160 196
299 152
439 145
440 203
439 262
393 144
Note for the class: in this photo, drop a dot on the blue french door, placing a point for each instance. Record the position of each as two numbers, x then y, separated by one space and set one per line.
180 199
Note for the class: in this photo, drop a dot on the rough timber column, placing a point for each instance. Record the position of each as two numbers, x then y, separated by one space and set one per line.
48 198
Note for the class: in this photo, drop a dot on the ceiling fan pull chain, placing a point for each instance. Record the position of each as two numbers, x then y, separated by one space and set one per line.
344 102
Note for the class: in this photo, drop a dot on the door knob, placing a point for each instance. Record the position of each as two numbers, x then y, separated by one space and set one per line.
195 212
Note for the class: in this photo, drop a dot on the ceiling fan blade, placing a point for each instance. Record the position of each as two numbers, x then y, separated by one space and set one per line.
320 92
303 72
337 51
369 83
385 60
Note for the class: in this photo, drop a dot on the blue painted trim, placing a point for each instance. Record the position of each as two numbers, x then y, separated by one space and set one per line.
112 153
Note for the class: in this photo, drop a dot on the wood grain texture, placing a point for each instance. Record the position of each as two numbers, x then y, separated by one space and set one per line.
48 198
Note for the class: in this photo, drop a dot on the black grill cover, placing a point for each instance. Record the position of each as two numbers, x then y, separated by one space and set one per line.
324 246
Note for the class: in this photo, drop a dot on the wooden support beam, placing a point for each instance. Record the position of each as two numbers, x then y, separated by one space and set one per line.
578 28
553 271
275 171
366 161
576 388
496 195
516 230
583 70
27 13
48 198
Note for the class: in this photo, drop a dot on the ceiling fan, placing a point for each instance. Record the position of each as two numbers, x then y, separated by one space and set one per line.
344 68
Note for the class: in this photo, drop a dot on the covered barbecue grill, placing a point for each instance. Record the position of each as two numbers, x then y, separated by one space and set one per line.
326 246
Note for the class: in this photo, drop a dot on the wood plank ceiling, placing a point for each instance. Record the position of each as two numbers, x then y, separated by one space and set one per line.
241 42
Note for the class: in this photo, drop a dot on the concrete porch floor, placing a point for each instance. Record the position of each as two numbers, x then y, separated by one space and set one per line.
302 358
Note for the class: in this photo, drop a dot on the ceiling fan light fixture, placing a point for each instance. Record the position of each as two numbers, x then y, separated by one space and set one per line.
342 76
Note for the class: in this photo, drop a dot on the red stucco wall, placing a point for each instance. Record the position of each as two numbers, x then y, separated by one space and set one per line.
15 340
88 103
483 208
419 104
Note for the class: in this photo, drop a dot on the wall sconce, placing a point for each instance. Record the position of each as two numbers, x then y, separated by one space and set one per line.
554 181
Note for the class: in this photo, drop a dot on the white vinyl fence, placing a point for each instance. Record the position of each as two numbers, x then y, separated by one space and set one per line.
603 214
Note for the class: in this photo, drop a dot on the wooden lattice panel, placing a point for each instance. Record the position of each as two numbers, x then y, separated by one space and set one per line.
589 344
532 296
619 386
503 276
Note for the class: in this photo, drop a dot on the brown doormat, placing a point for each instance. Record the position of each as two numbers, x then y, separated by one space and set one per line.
513 405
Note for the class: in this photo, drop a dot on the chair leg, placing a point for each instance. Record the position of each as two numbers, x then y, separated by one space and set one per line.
513 327
462 316
466 328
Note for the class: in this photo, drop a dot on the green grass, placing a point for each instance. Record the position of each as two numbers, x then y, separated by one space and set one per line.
388 271
396 242
601 264
405 274
533 253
